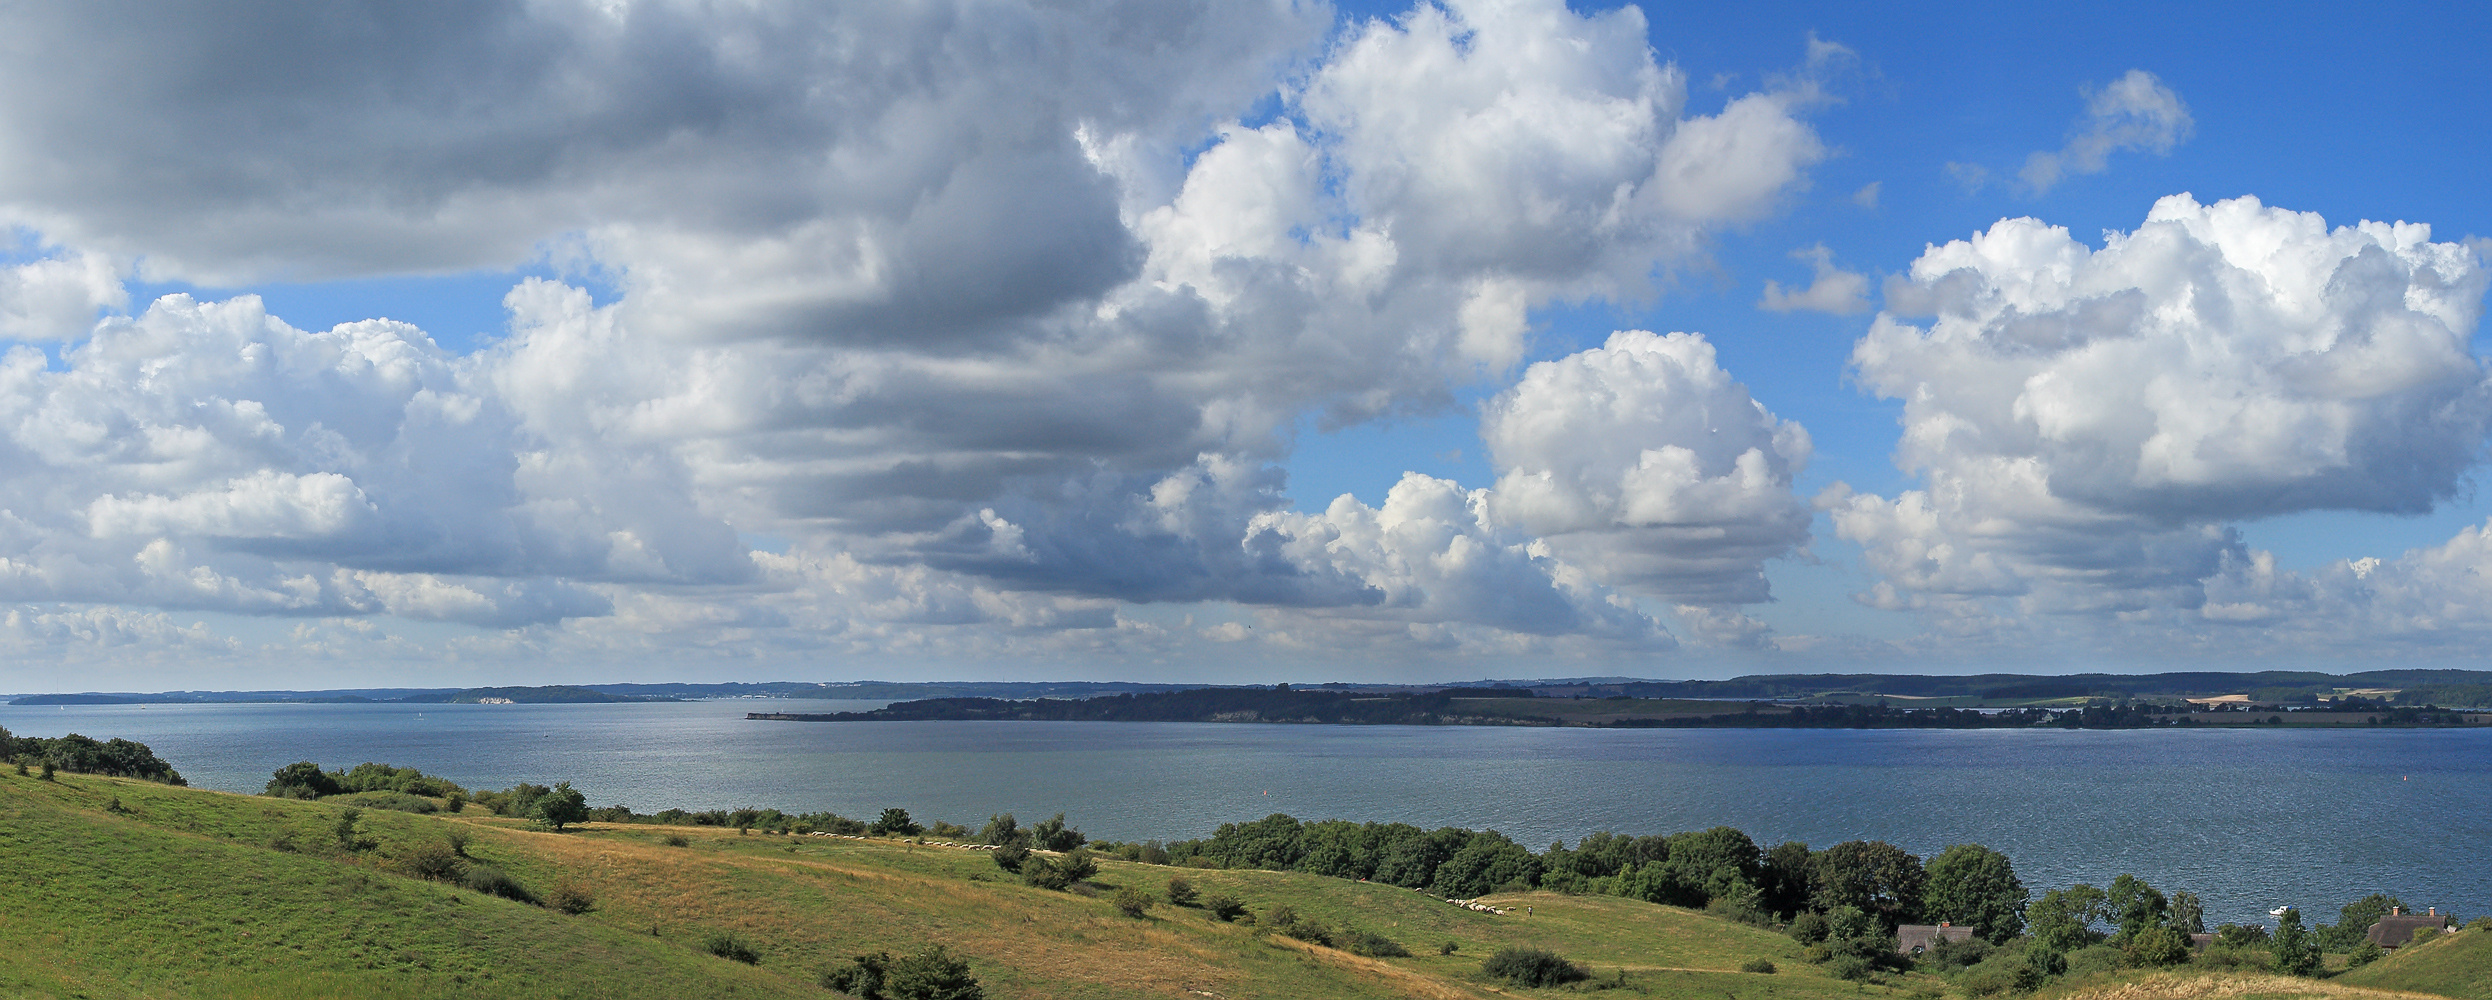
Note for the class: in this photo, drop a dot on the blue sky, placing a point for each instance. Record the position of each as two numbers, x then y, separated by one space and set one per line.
968 340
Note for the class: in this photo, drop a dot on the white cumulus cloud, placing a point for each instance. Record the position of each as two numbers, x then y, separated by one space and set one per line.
2136 112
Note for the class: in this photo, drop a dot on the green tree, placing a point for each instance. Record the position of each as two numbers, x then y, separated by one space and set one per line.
1976 887
2295 951
1000 830
2188 913
1876 877
1132 902
933 974
896 823
2156 947
1053 835
2353 922
1782 879
1180 891
2136 907
302 780
2063 919
560 806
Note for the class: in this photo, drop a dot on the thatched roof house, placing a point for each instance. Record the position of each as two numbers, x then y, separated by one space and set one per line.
1913 939
2399 927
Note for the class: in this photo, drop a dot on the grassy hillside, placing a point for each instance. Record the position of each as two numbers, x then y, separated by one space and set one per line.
2455 965
122 888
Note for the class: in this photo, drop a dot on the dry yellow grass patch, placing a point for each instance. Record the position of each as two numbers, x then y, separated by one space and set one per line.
2265 986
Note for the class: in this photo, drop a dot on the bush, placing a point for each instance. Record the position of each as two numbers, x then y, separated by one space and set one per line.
2363 954
896 823
435 861
1809 928
1224 907
1059 873
1851 968
1533 967
348 838
1132 902
1949 956
458 840
395 801
495 882
302 780
1448 948
1758 965
2160 947
455 802
678 840
1011 856
726 945
2095 960
933 974
1181 892
572 898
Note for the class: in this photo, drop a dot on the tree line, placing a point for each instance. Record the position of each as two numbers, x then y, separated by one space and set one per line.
77 754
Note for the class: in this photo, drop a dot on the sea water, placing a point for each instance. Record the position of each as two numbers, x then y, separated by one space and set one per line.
2246 818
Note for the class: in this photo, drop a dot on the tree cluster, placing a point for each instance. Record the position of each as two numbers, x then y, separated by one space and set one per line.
77 754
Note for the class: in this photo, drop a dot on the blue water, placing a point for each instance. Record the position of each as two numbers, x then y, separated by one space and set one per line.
2247 818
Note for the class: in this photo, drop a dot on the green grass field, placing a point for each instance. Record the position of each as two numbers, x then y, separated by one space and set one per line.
186 893
120 888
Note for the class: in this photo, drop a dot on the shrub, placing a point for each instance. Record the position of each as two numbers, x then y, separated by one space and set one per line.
395 801
47 773
678 840
726 945
2159 947
2477 924
430 860
1949 956
458 840
1851 968
302 780
572 898
495 882
2095 960
1760 965
949 831
1132 902
1816 954
1809 928
1374 945
1448 948
455 802
1011 856
933 974
896 823
1533 967
348 839
1224 907
2363 954
1181 892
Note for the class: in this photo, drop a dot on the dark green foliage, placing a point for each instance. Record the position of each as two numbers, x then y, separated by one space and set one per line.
77 754
1851 968
2188 913
678 840
895 823
303 780
1782 879
430 860
1485 861
1809 928
1974 886
2046 960
2363 954
2293 950
2241 936
1012 856
933 974
371 777
2136 907
948 831
1052 835
349 839
2063 919
2353 922
1224 907
1951 956
394 801
1057 873
2156 947
1181 892
1533 967
1448 948
1876 877
1856 933
1307 929
726 945
495 882
1132 902
559 806
1764 966
1373 945
1002 830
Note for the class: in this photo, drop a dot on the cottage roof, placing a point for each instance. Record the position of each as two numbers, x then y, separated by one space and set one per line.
1913 939
2398 928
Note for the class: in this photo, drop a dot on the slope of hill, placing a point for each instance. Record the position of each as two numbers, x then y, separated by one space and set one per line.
2455 965
124 888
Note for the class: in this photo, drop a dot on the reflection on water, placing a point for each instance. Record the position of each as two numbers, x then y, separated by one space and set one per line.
2246 818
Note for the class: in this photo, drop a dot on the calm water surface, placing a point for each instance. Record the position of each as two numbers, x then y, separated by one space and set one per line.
2246 818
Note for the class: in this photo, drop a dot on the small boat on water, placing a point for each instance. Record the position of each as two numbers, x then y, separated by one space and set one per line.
2278 911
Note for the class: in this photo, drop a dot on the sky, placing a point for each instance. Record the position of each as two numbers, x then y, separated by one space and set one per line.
357 344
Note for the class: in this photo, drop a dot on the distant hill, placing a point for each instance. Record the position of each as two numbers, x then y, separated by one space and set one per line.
556 694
